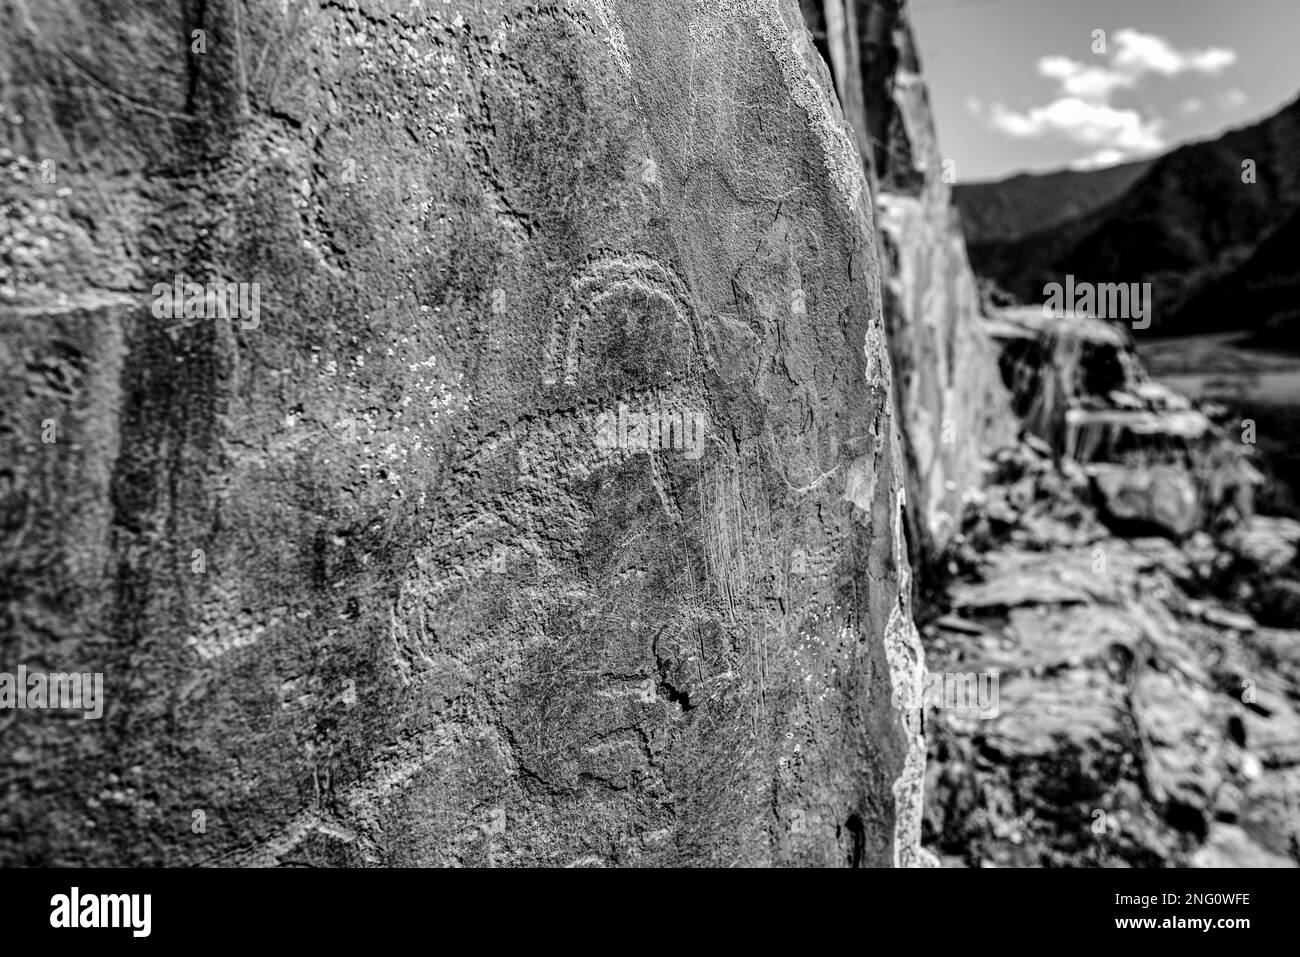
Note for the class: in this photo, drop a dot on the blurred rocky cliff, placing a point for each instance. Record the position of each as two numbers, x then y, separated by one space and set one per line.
1141 618
1084 536
952 401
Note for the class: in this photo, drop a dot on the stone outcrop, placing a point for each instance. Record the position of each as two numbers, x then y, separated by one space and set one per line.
1156 462
953 405
1101 586
1162 497
1130 613
1142 715
543 505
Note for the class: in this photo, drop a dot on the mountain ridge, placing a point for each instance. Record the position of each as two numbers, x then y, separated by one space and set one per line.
1186 224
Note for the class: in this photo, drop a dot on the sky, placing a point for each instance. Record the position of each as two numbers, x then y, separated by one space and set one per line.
1032 85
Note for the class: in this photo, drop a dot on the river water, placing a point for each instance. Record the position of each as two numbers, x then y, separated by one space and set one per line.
1260 384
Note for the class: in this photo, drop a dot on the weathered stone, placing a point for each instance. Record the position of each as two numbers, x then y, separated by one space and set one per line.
1071 713
1161 497
1280 652
1270 812
1272 726
1050 365
1230 846
953 405
1014 577
1132 717
1182 765
1046 638
1268 543
1093 434
1079 384
1278 603
1167 556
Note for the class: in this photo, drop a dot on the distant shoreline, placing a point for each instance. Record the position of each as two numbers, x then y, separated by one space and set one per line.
1260 383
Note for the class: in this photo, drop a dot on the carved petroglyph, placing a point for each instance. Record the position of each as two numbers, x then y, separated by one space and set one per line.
596 293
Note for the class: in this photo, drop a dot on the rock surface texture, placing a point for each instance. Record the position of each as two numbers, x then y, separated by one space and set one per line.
1132 616
1126 622
1143 717
953 405
369 578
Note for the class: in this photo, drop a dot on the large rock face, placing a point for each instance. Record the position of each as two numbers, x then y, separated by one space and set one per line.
381 571
954 407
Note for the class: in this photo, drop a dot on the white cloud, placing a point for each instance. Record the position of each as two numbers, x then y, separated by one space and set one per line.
1232 99
1099 159
1083 113
1191 106
1092 124
1141 53
975 105
1078 79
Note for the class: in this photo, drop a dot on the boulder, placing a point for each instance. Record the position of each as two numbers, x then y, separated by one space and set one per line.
1269 544
1230 846
1161 497
1182 764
